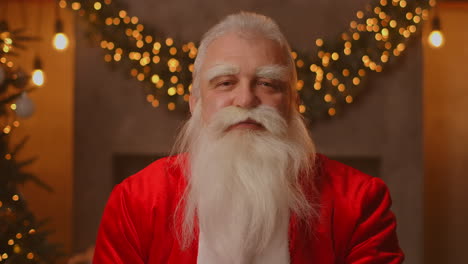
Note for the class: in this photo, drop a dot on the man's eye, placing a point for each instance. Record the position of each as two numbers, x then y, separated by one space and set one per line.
225 83
269 85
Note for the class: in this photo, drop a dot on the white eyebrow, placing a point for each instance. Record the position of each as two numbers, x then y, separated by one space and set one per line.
275 72
221 69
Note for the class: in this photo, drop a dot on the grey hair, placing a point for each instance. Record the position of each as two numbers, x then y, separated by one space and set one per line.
244 23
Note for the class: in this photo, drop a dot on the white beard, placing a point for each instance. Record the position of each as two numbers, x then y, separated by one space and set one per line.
243 184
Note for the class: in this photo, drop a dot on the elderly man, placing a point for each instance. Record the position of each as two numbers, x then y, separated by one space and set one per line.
247 186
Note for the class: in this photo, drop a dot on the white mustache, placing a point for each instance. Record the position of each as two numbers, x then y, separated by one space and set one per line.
266 116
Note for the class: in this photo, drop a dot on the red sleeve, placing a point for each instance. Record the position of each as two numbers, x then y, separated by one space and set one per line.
374 239
117 241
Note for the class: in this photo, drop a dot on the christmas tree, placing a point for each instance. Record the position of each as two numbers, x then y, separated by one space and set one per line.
22 237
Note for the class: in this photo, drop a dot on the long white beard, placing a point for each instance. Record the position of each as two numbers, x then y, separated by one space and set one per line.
243 184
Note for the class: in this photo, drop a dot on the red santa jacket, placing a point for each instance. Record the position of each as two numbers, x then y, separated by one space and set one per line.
355 225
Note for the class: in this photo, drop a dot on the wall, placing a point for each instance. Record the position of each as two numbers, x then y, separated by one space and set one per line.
51 127
113 117
446 140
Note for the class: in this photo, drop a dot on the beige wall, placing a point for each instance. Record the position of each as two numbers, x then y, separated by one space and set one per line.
51 127
446 141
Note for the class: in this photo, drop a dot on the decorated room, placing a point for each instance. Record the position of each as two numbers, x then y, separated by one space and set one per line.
249 131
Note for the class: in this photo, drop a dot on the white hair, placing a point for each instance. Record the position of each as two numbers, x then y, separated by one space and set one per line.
246 24
244 182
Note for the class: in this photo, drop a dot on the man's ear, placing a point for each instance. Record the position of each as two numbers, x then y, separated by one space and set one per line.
193 100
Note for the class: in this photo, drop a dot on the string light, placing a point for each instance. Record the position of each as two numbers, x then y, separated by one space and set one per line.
436 38
60 39
37 73
381 31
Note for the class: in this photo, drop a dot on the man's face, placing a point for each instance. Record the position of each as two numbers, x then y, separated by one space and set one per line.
244 72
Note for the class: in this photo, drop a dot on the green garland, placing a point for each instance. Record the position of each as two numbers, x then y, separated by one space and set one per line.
327 80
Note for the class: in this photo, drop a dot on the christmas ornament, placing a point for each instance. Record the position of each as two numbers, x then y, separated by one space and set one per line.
24 106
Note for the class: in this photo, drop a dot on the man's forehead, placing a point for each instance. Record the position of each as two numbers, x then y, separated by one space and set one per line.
234 44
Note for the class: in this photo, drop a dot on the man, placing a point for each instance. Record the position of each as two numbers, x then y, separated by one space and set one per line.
247 186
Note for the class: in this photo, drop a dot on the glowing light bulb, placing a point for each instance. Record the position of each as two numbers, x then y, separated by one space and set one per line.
436 38
38 77
38 74
60 41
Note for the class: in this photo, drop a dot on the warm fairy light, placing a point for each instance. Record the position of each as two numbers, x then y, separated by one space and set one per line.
302 108
317 86
155 78
375 22
4 256
436 39
62 3
356 81
60 41
356 36
294 54
313 68
360 14
409 16
148 39
107 58
11 242
300 85
335 82
171 91
75 6
160 84
402 3
341 87
335 56
300 63
180 89
30 255
15 197
155 103
171 106
319 42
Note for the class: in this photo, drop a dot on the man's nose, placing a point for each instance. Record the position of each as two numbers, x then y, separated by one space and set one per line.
245 96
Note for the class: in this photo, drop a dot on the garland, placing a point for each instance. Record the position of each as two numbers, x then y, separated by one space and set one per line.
327 80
